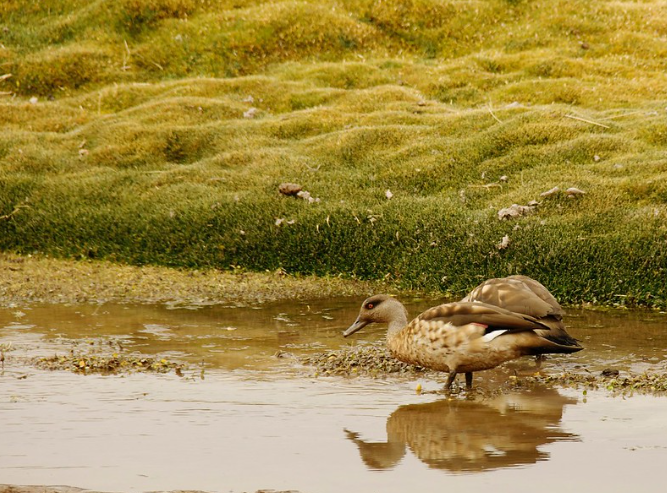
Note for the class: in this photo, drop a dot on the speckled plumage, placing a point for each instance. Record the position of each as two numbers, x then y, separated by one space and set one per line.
461 337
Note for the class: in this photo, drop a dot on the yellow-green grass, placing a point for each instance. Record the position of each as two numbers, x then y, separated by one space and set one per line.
161 130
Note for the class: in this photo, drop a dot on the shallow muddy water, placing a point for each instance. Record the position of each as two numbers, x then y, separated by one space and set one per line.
258 421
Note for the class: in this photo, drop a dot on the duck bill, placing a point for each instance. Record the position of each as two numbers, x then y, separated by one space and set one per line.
357 325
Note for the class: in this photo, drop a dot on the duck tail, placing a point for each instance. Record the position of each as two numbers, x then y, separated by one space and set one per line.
559 336
557 347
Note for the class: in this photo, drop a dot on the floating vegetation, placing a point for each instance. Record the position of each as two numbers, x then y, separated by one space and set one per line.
644 383
375 361
109 364
372 360
613 381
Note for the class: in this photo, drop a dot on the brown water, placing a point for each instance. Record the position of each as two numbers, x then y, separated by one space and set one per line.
258 421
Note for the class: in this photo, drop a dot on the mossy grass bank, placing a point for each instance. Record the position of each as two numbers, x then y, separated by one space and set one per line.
158 132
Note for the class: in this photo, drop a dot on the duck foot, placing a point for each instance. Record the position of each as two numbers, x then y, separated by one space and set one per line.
469 380
450 380
449 385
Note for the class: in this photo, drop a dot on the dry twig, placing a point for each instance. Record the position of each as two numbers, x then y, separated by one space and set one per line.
587 121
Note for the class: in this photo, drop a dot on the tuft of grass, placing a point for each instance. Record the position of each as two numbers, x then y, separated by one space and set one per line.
159 131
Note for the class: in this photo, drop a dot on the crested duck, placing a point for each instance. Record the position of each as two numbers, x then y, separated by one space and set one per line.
460 337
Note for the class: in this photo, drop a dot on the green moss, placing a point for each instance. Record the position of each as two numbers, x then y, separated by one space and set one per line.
161 131
53 70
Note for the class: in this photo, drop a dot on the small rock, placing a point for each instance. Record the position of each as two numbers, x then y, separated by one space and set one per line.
249 99
503 178
574 192
388 194
504 243
33 100
250 113
596 158
551 192
307 197
514 211
289 188
610 373
281 220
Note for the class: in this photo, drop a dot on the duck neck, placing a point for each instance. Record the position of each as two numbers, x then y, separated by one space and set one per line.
397 323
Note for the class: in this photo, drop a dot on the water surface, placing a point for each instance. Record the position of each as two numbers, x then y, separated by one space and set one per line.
258 421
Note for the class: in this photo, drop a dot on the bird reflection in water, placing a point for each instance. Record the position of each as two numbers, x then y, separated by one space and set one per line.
469 436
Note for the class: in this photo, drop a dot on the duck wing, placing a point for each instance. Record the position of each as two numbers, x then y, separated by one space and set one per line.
518 294
491 317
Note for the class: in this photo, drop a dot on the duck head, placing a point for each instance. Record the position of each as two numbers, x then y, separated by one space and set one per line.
380 308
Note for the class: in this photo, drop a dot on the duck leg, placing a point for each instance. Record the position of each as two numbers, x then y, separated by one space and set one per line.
468 380
538 361
450 381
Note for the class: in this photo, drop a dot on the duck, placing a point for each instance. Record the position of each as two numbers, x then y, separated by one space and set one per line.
522 294
459 337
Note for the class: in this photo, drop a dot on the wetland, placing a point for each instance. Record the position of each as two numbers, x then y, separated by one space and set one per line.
173 320
241 401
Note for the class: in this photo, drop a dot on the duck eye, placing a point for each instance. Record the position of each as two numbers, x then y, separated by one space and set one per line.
370 306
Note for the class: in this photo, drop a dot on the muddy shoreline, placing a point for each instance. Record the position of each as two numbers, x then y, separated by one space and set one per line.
39 279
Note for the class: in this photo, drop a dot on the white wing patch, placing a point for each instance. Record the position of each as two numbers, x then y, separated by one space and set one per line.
492 335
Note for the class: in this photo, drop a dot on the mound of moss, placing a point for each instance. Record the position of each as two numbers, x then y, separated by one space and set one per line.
159 132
